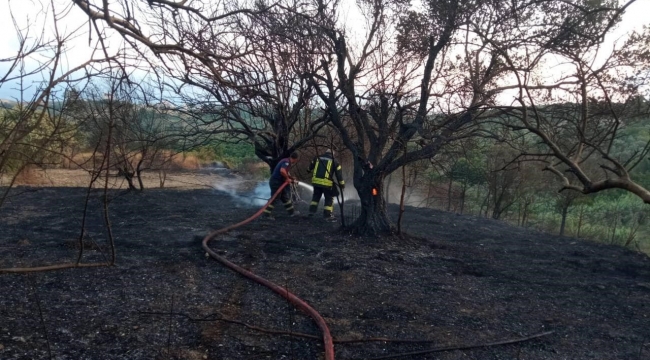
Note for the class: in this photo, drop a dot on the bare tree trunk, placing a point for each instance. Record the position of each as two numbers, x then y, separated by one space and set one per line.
478 199
462 198
486 203
129 179
162 176
632 235
524 219
138 169
496 211
373 219
582 211
107 221
449 193
565 210
614 229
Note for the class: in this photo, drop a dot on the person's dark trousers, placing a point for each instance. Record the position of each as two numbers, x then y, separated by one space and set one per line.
329 200
284 197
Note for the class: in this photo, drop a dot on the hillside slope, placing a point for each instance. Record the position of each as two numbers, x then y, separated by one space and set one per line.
457 280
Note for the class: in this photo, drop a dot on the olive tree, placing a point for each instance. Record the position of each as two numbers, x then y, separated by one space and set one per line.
578 115
235 75
423 77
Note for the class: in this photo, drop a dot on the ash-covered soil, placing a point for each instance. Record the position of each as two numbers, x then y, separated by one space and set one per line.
456 280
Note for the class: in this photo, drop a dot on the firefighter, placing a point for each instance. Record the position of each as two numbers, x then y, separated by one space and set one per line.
324 167
279 176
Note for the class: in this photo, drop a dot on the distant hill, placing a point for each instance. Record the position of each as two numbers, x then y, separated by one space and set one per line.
6 103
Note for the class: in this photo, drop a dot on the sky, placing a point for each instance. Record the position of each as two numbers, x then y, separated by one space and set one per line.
34 19
30 15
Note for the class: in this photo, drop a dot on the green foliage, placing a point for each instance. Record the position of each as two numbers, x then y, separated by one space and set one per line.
31 139
613 216
468 172
205 154
235 151
232 154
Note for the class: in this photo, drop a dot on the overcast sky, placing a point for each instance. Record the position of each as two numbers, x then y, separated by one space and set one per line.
74 21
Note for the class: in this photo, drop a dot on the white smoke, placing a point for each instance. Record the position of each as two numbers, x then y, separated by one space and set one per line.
256 196
350 193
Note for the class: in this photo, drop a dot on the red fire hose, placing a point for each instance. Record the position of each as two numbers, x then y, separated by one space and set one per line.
300 304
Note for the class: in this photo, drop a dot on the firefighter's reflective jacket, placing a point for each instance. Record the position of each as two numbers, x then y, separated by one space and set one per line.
324 167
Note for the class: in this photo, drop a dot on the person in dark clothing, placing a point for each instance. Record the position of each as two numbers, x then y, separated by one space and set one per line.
279 176
323 169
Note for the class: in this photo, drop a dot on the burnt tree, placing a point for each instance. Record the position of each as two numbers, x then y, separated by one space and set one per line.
405 97
235 74
577 117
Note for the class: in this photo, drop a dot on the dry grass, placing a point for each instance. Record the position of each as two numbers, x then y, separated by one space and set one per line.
166 160
82 160
31 175
254 169
184 162
174 170
81 178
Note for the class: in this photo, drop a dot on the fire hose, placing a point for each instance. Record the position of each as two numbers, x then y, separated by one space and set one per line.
293 299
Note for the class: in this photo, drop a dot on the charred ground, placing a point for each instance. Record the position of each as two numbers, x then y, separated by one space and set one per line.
456 280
